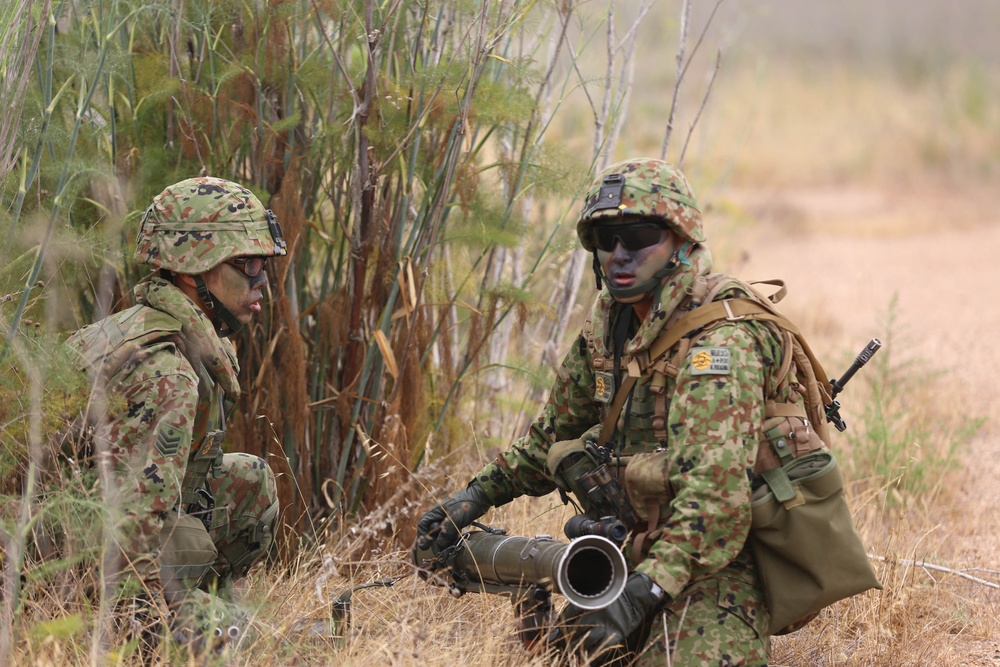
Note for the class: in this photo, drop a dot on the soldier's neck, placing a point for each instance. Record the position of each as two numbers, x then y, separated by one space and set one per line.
642 308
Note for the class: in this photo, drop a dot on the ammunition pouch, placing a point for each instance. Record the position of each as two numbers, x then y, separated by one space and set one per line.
803 540
187 552
648 486
788 436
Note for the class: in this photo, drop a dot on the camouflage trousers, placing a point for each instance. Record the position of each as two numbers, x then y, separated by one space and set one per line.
719 622
239 534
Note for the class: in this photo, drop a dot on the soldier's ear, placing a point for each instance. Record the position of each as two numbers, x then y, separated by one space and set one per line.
184 279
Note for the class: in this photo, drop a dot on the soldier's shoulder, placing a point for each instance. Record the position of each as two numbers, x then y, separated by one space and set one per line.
724 286
140 341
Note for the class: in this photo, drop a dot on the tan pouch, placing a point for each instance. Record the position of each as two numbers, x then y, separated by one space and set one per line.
647 485
803 540
785 438
186 551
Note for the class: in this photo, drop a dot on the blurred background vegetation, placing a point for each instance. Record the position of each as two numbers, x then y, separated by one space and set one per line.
426 160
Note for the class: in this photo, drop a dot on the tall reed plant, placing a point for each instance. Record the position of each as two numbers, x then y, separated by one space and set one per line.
402 147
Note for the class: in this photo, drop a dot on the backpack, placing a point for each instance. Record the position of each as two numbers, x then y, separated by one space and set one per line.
802 536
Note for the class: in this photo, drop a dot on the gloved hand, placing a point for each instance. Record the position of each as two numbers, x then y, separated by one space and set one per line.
439 527
204 622
598 631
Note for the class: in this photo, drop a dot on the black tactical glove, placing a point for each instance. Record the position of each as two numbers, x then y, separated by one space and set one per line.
439 527
602 633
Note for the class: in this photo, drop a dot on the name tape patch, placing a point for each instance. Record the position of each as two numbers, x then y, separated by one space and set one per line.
710 361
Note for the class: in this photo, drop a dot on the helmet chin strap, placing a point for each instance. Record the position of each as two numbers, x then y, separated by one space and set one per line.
223 320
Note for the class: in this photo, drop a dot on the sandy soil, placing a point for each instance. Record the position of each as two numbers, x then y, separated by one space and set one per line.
844 255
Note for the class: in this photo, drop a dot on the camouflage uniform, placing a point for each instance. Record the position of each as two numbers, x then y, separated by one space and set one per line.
188 515
690 433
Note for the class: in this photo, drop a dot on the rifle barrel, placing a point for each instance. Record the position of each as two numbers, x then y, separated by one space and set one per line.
863 358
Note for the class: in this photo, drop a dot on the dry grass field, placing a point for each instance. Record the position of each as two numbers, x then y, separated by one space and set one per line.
867 183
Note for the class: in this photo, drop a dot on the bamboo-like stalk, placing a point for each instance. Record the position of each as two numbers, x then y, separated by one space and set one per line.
21 37
379 152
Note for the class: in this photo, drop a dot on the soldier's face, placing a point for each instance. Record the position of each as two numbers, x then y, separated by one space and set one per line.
627 265
241 294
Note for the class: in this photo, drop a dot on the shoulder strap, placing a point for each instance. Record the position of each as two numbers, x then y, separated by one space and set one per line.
733 310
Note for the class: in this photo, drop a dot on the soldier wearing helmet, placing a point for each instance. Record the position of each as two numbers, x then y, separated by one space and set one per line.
191 519
682 444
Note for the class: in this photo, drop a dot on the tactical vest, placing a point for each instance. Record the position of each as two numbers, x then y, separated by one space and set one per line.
795 393
114 346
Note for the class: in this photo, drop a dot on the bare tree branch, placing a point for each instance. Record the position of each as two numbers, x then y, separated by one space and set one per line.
602 118
682 67
924 565
701 38
682 43
704 101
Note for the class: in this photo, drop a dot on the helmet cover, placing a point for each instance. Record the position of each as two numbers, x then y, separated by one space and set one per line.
641 187
199 223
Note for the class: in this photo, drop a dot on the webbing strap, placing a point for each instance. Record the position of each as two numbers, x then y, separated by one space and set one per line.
615 409
729 309
779 483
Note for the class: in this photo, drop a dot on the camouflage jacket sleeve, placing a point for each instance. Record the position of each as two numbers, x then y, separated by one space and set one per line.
150 440
569 412
713 424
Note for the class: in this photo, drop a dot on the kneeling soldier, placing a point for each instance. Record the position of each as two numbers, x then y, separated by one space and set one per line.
683 447
190 519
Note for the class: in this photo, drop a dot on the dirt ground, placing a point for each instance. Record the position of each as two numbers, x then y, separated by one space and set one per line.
844 255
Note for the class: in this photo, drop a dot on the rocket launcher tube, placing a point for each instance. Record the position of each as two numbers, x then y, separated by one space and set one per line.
590 571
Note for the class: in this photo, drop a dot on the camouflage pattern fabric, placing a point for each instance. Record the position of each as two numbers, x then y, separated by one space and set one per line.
243 522
201 222
700 472
173 379
715 622
652 189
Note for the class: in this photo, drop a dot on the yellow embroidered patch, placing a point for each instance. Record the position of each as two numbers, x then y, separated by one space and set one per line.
604 387
710 361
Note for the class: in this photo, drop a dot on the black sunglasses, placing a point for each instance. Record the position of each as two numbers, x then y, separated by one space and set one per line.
250 266
633 235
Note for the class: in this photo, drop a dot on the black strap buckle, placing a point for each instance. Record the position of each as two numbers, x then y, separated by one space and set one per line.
204 508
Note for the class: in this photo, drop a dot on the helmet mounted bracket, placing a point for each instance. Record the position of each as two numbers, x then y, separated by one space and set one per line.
609 195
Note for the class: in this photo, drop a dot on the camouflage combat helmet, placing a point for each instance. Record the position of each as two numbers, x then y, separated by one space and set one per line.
641 187
201 222
646 188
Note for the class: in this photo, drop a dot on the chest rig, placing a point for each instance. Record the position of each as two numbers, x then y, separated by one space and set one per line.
795 391
206 449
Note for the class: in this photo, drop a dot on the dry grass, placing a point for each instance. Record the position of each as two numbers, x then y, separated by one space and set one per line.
852 185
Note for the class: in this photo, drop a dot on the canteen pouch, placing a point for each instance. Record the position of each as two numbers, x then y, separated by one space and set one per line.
804 542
